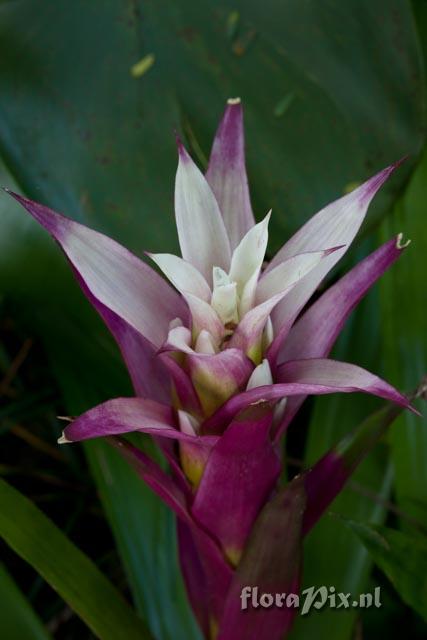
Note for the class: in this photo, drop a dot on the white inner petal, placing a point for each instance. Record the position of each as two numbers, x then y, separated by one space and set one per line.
248 256
224 301
287 274
261 376
205 343
176 322
268 335
237 311
220 277
204 316
182 274
180 337
187 423
224 297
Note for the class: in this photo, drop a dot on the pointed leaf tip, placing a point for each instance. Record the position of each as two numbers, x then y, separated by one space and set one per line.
182 151
401 160
16 196
226 173
369 189
178 141
327 252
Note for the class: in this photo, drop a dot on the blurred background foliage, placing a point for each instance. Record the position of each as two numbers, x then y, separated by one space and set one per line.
333 91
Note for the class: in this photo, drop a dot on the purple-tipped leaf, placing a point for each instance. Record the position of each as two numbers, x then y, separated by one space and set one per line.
317 376
314 334
124 415
324 481
316 331
226 174
339 375
336 224
116 278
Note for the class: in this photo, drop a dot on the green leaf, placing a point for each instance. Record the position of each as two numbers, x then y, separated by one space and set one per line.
404 301
402 557
18 621
103 151
333 417
78 581
144 528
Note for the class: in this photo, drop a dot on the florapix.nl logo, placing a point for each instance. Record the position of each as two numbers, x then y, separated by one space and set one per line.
311 598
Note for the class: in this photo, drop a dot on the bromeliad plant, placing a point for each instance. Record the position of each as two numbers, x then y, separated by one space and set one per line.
221 362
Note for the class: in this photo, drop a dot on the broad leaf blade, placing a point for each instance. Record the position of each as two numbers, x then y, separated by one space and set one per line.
143 527
332 418
104 152
18 621
36 539
402 557
404 300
